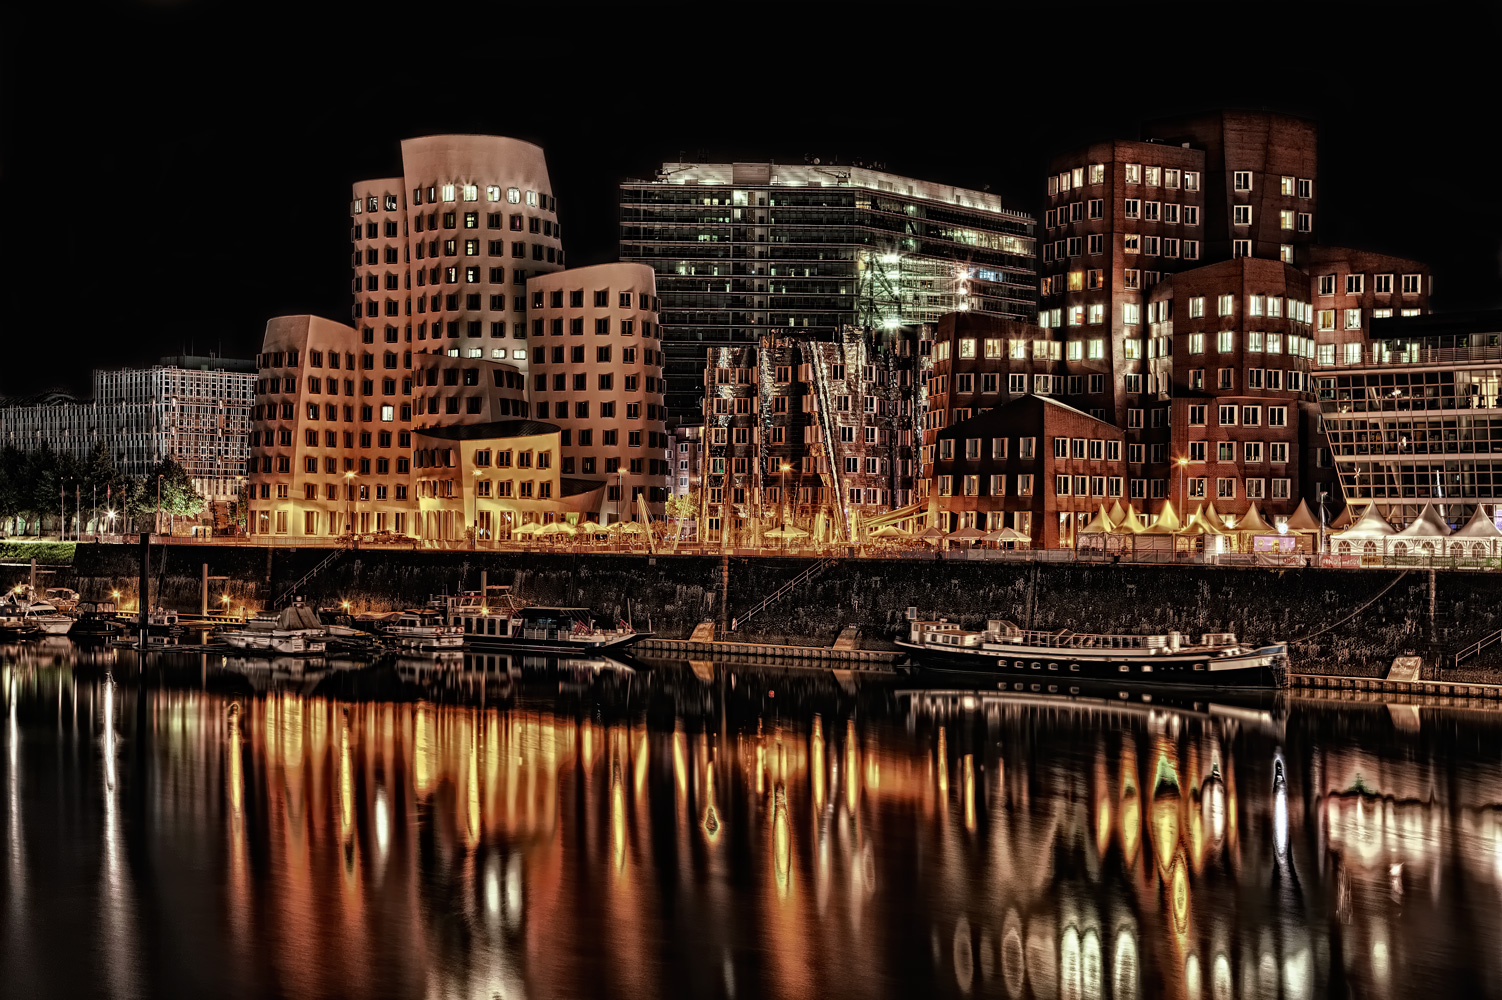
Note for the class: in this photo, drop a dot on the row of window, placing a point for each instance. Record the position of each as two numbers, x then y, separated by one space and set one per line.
456 192
1252 452
602 324
1108 487
604 411
1412 284
1168 212
1133 243
1132 173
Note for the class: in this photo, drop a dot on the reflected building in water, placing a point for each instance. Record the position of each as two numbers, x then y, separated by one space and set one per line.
615 837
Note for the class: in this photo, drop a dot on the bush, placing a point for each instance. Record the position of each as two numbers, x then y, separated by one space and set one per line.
42 552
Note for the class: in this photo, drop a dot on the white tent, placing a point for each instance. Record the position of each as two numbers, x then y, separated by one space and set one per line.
1478 538
1367 536
1424 537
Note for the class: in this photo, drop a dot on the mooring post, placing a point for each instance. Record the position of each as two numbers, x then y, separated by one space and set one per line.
724 592
143 601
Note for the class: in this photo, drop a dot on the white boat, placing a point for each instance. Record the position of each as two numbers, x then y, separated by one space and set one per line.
62 598
48 618
273 641
294 632
1217 660
497 620
423 630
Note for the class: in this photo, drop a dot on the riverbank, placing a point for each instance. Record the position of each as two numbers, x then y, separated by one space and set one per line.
867 599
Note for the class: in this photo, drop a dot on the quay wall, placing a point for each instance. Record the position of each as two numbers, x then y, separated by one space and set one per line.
872 595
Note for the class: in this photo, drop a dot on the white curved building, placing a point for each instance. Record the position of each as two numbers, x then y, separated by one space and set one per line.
481 220
596 372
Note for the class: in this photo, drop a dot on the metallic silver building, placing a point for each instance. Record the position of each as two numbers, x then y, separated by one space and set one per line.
748 250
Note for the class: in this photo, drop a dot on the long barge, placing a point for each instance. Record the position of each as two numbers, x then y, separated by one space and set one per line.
1218 660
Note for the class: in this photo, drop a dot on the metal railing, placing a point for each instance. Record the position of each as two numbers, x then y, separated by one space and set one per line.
287 594
796 581
1476 647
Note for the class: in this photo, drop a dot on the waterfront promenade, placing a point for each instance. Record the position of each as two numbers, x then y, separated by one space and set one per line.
1390 610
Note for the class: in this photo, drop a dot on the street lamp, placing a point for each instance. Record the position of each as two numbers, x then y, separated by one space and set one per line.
782 494
349 507
158 503
1183 498
474 537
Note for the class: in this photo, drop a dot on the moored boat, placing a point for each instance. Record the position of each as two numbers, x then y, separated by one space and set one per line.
422 629
296 631
95 620
497 620
1217 660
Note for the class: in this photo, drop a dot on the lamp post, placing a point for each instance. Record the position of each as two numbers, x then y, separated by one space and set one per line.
782 494
349 507
474 537
158 503
1183 497
619 492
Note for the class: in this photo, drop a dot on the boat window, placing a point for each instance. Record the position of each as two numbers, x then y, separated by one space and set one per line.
1122 668
1053 666
1075 667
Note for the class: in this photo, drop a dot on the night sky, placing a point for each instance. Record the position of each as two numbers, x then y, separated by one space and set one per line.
174 177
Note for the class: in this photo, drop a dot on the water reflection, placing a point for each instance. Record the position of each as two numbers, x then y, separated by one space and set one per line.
491 826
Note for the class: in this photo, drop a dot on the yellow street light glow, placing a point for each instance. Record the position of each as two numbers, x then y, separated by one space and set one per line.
344 605
1183 461
225 598
786 467
115 594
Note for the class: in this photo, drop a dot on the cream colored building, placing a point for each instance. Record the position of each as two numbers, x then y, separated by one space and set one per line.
596 372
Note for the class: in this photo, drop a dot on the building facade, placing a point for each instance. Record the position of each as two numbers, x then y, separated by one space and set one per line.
199 416
1032 464
824 433
596 372
442 313
747 250
1416 418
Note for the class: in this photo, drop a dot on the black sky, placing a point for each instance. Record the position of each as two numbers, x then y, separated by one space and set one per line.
176 173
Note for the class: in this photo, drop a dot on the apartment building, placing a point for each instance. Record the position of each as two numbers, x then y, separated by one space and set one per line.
748 250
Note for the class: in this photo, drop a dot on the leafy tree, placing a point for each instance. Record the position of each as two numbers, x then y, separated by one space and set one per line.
684 508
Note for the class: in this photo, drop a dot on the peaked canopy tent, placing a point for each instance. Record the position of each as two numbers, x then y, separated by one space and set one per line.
1253 526
1424 537
1367 535
1478 538
1096 534
1161 534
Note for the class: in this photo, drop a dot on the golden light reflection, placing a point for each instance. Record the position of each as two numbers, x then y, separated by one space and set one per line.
852 768
969 776
816 763
782 843
617 819
943 764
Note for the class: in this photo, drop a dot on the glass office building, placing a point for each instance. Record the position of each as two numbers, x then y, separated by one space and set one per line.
746 250
1416 418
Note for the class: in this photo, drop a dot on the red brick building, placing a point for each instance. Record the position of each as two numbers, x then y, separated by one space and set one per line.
1034 464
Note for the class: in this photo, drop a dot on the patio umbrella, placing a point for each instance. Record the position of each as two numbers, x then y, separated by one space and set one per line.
788 532
966 535
629 528
890 531
930 534
590 528
556 528
530 528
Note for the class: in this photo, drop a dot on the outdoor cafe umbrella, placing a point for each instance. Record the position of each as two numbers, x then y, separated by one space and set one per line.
628 528
788 532
1013 535
890 531
968 534
590 528
531 528
930 534
556 528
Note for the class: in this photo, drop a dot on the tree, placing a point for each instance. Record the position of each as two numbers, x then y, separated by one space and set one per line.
178 497
684 508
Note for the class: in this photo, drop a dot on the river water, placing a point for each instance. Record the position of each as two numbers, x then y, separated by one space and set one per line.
191 826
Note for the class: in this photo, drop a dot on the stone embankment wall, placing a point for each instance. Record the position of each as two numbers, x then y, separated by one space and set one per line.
677 592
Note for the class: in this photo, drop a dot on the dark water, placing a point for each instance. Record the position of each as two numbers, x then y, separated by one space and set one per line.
188 829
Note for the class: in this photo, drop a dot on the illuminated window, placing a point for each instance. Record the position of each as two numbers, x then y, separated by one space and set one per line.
513 195
448 192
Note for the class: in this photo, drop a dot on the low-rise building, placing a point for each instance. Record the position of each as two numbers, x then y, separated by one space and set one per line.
1033 464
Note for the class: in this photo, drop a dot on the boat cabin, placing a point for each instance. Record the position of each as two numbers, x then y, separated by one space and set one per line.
553 623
